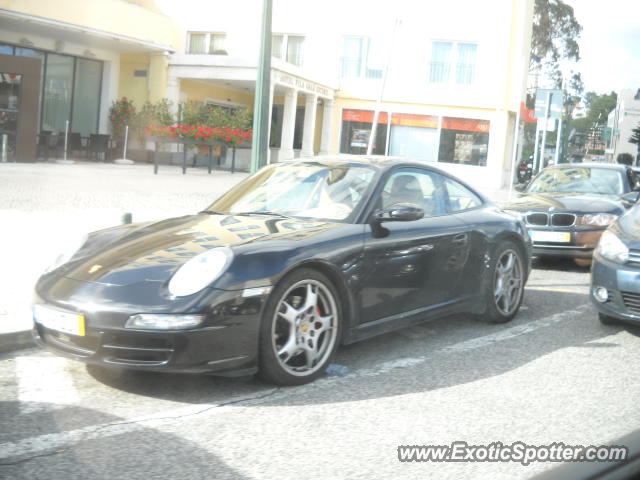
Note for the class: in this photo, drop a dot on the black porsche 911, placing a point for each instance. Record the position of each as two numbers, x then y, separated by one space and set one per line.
567 207
293 261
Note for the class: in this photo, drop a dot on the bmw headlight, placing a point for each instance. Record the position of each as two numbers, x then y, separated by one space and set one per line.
612 248
598 219
67 253
200 271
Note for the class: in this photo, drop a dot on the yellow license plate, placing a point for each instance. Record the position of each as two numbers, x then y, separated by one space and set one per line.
60 321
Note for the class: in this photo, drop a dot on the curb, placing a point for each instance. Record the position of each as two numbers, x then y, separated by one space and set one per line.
16 341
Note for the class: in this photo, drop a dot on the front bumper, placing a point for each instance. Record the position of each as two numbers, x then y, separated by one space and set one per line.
225 344
581 243
622 281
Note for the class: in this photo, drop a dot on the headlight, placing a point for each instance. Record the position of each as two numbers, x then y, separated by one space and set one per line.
200 271
598 219
145 321
69 251
612 248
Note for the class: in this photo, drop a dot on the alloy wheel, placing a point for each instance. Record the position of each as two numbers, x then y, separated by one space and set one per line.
304 327
508 282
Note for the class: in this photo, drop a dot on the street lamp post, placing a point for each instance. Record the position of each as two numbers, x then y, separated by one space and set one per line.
260 140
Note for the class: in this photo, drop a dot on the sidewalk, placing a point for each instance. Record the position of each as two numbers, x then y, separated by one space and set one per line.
44 206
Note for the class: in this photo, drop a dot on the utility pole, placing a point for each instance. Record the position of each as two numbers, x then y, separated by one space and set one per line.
260 140
376 114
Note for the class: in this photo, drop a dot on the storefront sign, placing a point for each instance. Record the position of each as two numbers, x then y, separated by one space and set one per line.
304 85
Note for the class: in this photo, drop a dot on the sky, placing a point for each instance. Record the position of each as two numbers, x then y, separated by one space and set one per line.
609 44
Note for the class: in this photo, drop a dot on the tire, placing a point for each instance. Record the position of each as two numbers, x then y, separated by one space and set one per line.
606 319
300 328
506 286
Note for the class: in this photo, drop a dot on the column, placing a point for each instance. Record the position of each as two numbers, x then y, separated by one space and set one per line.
173 93
327 117
309 131
288 124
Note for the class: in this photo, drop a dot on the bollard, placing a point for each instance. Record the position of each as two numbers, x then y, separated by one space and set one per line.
126 218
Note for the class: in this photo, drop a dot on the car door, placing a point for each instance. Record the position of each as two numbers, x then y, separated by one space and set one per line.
470 245
406 269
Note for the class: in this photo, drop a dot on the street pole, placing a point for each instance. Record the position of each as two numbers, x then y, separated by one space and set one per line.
385 73
260 140
544 132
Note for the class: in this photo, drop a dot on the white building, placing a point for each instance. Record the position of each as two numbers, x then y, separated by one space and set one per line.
456 76
621 121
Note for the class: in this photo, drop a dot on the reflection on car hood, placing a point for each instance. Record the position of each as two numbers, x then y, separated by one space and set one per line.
155 251
570 202
628 228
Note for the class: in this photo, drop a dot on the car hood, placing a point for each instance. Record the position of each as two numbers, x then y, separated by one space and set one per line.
569 202
153 252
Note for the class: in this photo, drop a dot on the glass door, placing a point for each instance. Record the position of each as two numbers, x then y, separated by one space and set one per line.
9 111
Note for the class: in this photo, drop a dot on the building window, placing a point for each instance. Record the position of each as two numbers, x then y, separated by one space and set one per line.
414 136
207 43
289 48
464 141
356 130
361 58
453 62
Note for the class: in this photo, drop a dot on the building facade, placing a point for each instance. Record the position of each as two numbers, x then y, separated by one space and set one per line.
620 123
445 84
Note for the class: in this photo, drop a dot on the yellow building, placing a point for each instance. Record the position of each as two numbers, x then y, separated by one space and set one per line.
453 75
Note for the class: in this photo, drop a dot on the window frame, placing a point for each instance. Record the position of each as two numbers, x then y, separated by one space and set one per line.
284 47
207 42
452 63
365 49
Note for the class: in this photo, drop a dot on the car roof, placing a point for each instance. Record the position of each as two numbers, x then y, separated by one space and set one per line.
379 162
610 166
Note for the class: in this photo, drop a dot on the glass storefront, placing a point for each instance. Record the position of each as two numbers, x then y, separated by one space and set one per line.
414 136
419 137
71 89
9 111
464 141
356 131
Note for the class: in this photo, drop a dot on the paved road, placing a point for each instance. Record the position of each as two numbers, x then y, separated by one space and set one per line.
554 374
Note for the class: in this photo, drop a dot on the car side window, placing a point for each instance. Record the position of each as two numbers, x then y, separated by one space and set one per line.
460 197
417 187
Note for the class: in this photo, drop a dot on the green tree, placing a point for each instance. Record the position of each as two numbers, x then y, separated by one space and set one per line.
554 37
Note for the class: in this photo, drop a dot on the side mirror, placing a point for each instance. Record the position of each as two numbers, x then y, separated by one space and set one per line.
521 187
630 199
400 212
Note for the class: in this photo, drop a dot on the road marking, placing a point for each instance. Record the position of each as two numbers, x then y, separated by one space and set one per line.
581 290
58 441
44 384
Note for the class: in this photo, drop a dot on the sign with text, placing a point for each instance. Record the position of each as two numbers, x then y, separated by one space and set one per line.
555 107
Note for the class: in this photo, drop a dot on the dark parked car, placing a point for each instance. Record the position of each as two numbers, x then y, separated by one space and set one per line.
567 207
615 288
274 275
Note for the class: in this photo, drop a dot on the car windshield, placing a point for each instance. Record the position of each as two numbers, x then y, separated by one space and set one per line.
309 190
601 181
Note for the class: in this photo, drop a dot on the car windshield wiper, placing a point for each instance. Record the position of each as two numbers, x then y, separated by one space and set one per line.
264 212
